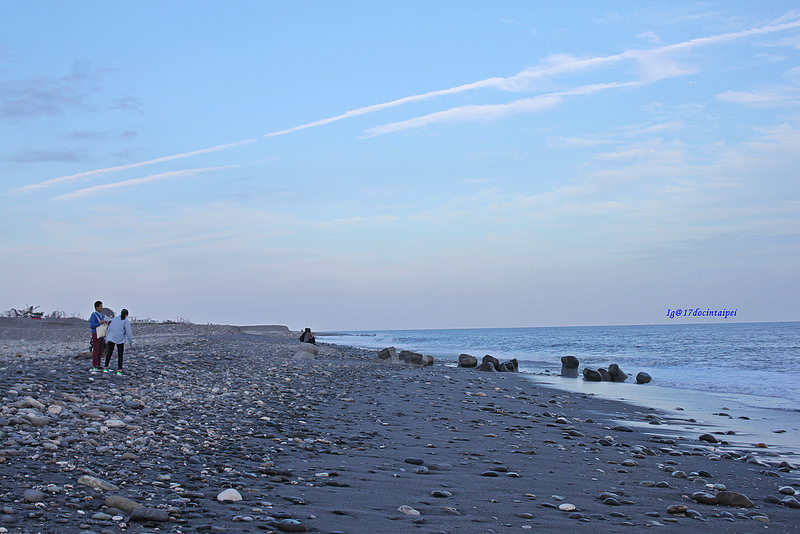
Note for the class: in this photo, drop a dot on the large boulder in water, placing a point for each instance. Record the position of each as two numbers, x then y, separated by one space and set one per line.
569 366
643 378
590 375
407 354
389 353
415 358
465 360
486 366
426 360
511 366
617 375
493 361
604 376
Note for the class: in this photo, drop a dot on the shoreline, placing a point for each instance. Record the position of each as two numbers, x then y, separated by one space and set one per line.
341 442
741 421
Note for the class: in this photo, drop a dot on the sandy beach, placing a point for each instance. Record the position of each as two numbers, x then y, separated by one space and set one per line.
230 429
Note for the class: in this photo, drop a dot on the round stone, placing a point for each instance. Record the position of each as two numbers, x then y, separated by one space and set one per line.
291 525
791 502
229 495
32 495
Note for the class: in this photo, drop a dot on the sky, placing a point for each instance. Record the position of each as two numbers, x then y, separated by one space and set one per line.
395 165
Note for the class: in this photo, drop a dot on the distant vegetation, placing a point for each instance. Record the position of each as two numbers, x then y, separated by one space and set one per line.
31 312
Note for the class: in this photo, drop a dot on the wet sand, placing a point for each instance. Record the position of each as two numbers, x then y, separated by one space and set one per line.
742 421
342 442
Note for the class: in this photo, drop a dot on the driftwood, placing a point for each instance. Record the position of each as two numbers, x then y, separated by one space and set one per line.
27 312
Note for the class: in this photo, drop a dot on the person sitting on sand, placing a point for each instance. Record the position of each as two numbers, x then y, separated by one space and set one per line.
308 337
98 344
118 330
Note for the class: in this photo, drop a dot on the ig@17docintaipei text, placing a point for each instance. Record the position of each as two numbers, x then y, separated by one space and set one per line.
700 312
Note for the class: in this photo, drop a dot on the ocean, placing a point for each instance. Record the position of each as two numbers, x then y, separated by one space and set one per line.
758 360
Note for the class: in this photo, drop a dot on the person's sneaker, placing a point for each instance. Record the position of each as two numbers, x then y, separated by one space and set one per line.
105 370
119 373
95 369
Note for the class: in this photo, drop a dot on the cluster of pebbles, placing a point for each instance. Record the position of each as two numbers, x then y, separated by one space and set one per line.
225 429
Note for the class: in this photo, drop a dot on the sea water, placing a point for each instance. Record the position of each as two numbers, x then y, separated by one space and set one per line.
756 359
747 372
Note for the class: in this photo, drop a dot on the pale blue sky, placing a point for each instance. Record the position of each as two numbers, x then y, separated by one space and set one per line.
377 165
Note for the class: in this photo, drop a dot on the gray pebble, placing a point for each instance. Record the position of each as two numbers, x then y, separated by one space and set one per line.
31 495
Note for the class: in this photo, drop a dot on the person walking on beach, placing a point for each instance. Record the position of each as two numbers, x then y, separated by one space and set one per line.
308 337
118 330
98 344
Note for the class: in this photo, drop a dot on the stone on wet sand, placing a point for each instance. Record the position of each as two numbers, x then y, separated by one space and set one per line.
98 483
704 497
591 375
677 509
731 498
144 514
291 525
229 495
33 496
122 503
790 502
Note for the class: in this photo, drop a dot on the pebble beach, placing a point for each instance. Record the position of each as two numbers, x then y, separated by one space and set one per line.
231 429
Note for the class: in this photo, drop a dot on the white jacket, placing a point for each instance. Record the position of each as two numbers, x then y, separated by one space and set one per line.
118 330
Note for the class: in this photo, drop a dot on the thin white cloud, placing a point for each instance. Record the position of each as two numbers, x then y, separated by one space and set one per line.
358 221
490 82
138 181
71 177
768 98
493 111
650 37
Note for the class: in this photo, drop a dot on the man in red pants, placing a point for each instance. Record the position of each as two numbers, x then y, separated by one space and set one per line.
98 344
